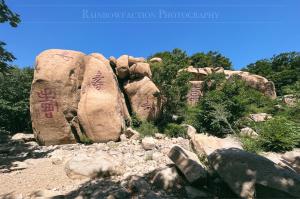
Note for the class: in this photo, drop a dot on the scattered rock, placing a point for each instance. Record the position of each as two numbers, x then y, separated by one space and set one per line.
148 143
159 136
260 117
23 137
248 132
156 59
123 137
250 175
132 134
188 163
99 164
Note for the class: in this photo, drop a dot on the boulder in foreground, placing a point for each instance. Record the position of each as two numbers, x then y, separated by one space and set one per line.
253 176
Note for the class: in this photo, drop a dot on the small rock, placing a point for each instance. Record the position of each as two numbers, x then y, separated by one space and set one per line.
123 138
148 143
157 156
188 163
132 134
289 100
248 132
46 194
23 137
293 159
260 117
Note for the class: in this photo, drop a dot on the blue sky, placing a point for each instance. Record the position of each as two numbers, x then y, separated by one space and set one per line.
243 30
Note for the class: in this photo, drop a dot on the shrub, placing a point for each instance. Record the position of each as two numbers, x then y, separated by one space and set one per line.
279 135
135 121
175 130
251 145
147 129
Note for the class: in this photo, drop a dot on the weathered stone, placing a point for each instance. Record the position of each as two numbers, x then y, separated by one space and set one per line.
260 117
99 164
122 68
46 194
113 61
23 137
139 70
159 136
199 74
167 178
137 184
101 108
148 143
156 59
144 98
188 163
248 132
123 138
204 145
250 175
55 95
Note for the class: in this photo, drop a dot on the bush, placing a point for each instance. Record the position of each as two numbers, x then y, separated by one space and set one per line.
147 129
279 134
175 130
220 110
251 145
14 100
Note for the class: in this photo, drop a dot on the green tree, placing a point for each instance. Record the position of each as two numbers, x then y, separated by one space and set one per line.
6 15
14 100
173 85
210 59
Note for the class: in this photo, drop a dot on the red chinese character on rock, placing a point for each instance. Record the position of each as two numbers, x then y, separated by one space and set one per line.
97 81
48 103
146 105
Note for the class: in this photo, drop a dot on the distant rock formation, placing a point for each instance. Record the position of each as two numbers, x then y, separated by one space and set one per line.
199 74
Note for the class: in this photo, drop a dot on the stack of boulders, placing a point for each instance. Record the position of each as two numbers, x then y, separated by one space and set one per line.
200 74
77 97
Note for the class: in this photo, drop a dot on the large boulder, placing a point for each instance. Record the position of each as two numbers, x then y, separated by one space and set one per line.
134 60
199 74
204 145
253 176
55 94
255 81
144 98
101 108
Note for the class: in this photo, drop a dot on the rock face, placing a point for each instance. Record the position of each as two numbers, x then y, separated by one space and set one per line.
253 176
101 109
139 70
55 95
144 98
122 68
196 92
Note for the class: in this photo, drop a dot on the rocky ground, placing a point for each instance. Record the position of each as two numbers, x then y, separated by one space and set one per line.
27 168
201 166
